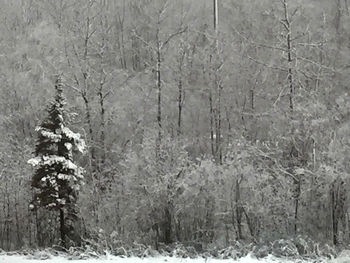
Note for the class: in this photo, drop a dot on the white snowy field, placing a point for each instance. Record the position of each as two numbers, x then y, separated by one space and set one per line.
110 259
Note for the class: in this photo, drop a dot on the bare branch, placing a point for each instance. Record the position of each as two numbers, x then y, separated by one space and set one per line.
142 40
266 65
172 36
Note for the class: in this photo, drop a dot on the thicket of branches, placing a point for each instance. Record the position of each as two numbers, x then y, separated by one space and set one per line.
195 135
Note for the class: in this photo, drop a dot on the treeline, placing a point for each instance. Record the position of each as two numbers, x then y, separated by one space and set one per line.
194 135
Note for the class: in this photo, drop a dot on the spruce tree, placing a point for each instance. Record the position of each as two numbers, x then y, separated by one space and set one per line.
57 179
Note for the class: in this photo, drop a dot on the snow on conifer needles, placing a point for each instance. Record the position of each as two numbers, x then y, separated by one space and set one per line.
57 178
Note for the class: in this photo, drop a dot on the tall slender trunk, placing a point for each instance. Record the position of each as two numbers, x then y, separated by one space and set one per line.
338 198
103 124
93 160
217 112
297 186
218 128
252 101
3 219
159 102
167 225
87 32
334 216
8 219
216 14
337 19
287 25
121 42
179 108
211 115
181 59
62 228
135 58
18 231
84 94
38 230
239 210
91 133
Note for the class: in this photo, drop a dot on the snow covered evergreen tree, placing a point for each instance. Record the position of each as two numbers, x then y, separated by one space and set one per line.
57 179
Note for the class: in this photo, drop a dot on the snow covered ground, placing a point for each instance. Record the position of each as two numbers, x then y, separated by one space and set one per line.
109 259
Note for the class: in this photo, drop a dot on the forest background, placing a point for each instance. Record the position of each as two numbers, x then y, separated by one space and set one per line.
196 135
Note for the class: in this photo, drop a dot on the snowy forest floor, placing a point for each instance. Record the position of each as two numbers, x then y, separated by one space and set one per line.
43 256
178 253
160 259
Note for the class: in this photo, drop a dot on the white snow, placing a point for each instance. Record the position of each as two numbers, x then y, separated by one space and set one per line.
70 134
64 176
57 137
34 161
52 136
68 146
48 134
105 259
52 159
79 143
81 146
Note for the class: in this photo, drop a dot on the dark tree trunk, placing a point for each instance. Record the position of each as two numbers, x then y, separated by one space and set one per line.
239 210
159 103
211 113
334 215
180 108
91 133
103 136
167 227
218 148
287 25
18 231
337 196
216 16
296 210
62 229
